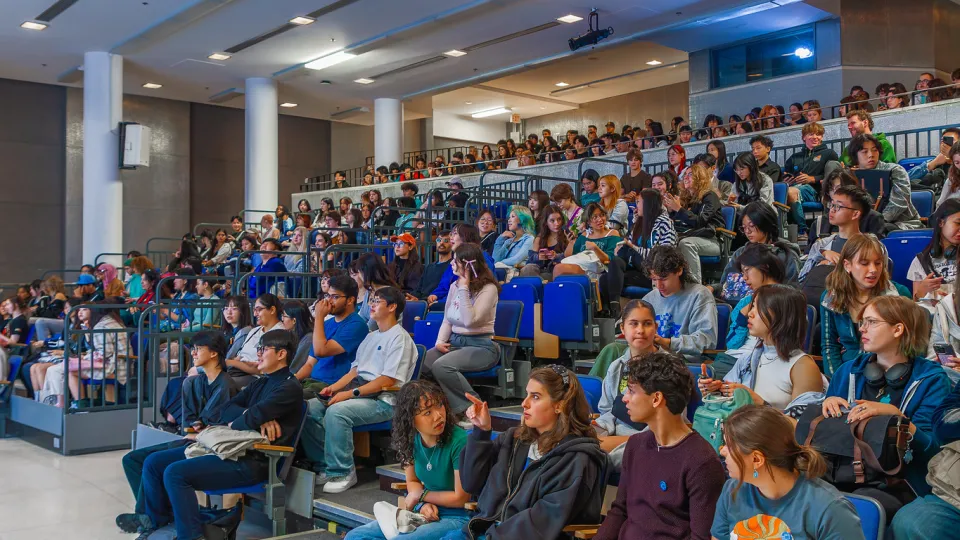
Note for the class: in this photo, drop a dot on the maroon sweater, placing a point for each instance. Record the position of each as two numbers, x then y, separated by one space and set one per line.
670 493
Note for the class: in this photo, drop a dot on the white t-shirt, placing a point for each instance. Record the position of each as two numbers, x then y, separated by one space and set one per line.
947 268
391 353
248 352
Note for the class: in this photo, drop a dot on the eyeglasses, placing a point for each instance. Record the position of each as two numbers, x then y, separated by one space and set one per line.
443 240
747 229
399 243
196 350
285 316
870 323
836 207
333 297
375 301
261 348
230 308
258 309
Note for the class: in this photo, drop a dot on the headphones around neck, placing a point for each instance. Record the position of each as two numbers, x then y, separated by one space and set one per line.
895 378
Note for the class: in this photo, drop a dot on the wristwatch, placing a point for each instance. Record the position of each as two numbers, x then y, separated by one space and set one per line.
356 392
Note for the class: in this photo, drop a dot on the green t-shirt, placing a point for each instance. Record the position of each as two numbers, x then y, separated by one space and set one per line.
443 460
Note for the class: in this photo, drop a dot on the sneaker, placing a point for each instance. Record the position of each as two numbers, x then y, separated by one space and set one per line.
321 479
339 484
145 535
133 523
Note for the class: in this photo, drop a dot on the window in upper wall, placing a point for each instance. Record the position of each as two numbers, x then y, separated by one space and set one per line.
768 57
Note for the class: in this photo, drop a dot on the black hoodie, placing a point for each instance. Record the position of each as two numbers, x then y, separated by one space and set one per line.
565 486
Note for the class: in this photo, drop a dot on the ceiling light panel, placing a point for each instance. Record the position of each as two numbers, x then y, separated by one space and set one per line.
329 60
364 80
561 84
302 21
30 25
654 63
454 53
152 86
219 56
288 105
569 19
492 112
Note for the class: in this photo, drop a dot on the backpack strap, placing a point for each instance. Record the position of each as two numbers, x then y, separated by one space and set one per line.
813 427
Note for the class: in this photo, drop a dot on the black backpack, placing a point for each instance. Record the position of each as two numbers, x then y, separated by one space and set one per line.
220 523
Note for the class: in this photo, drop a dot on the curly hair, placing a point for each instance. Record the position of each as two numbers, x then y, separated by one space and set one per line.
663 372
664 260
702 184
413 398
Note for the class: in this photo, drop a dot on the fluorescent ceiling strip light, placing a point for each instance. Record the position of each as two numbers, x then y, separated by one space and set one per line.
492 112
454 53
329 60
364 80
30 25
302 21
569 19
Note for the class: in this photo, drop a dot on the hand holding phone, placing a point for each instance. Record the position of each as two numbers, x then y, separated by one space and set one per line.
945 353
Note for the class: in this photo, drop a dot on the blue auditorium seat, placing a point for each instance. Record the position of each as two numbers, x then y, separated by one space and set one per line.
923 233
811 325
873 518
910 163
413 311
528 294
592 390
923 202
506 330
565 310
697 401
902 250
723 324
425 332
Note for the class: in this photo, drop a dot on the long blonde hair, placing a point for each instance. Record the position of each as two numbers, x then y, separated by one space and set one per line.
842 285
617 189
702 184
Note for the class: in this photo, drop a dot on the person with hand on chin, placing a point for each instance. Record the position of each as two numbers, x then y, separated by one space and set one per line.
891 377
386 358
555 447
428 443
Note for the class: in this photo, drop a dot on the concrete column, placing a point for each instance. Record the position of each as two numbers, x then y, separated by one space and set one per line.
387 131
102 187
262 149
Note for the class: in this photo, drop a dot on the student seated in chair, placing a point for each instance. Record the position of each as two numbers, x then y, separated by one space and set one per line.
203 397
384 359
775 488
428 443
271 404
671 476
534 479
614 426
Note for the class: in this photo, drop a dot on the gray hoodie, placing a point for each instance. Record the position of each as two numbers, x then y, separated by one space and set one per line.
688 317
899 210
944 331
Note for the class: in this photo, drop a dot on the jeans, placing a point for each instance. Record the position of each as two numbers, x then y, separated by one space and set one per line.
170 483
328 431
46 328
694 247
451 520
926 517
467 354
133 467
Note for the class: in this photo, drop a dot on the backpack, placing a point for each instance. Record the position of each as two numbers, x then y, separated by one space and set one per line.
944 474
708 420
221 523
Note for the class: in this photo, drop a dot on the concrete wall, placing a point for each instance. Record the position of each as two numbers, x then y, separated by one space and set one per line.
460 128
156 199
32 169
657 103
352 144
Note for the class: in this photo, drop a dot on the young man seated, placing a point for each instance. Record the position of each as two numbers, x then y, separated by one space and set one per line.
271 263
272 405
203 398
848 205
805 171
671 478
335 339
385 358
433 272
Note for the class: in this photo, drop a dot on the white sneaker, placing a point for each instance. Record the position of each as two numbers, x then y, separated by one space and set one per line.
339 484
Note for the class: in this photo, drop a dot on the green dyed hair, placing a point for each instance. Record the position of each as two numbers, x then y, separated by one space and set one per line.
526 218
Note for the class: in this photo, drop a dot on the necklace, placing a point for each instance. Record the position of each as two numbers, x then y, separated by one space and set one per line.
431 456
674 444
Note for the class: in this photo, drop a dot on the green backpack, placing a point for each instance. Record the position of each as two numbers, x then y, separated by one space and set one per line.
708 420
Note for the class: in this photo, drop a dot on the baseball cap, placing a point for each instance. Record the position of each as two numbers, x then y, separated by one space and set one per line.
406 238
86 279
455 182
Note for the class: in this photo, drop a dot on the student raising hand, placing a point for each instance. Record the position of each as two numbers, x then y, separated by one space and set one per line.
478 413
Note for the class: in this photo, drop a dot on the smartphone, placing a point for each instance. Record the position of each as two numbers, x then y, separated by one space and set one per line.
944 352
948 140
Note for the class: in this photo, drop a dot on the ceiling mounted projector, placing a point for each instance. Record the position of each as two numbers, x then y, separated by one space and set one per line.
592 37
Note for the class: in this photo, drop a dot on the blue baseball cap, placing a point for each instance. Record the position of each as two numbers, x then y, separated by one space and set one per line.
86 279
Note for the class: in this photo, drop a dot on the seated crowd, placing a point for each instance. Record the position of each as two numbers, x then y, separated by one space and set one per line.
266 354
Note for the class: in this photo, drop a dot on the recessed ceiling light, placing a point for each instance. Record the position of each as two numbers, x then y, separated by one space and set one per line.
218 56
654 63
152 86
302 21
329 60
288 105
29 25
454 53
492 112
543 108
570 19
364 80
561 84
468 103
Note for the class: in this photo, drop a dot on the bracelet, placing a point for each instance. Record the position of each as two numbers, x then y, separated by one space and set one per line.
423 494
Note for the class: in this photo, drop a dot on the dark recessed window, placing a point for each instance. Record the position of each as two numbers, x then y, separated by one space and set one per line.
774 55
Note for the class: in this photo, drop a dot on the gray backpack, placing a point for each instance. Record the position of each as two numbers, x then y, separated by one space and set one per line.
944 474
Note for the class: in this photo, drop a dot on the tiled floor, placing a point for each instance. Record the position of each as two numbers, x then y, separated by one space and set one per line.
47 496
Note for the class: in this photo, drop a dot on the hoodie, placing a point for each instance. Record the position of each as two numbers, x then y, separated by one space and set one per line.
899 210
536 500
946 419
688 317
839 335
887 154
811 163
927 388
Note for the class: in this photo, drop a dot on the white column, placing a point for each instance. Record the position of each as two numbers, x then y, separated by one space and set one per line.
262 149
387 131
102 188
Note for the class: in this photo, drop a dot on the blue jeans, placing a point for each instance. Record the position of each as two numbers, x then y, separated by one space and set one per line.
460 535
170 483
133 467
451 520
926 517
328 431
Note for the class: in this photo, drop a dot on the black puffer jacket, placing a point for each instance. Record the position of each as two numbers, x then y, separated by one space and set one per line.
563 487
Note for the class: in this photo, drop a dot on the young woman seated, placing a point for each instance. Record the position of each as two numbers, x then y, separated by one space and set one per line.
297 319
205 315
777 370
610 198
487 227
428 443
760 225
549 245
891 377
371 275
405 268
862 273
686 311
597 244
751 184
757 265
614 425
537 203
562 195
588 187
934 270
219 250
652 226
775 486
513 245
697 214
534 479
